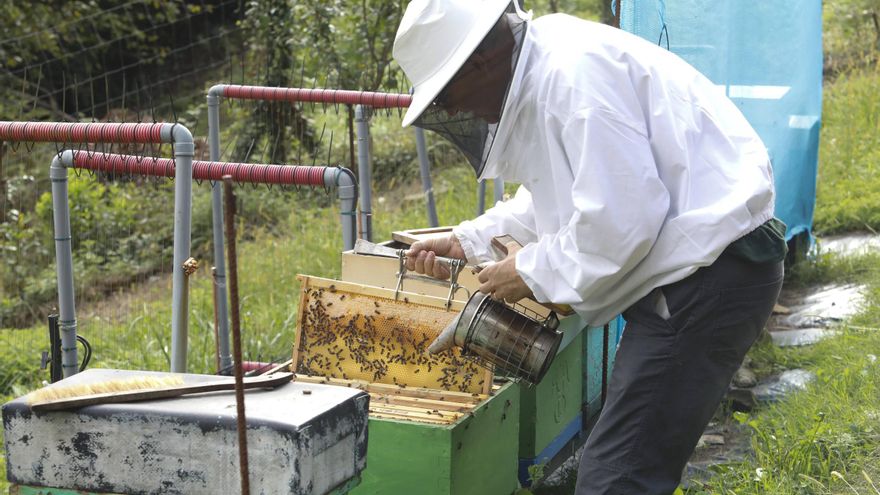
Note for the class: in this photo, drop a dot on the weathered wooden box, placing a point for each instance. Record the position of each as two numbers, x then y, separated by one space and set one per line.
299 443
453 432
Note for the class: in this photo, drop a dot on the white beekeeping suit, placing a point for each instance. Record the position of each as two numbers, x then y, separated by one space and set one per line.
644 191
630 181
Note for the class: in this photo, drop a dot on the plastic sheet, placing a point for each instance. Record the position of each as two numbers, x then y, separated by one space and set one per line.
767 57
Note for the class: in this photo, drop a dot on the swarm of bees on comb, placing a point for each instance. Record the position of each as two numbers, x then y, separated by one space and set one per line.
360 337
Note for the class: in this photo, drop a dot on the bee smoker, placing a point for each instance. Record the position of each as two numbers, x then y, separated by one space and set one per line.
515 343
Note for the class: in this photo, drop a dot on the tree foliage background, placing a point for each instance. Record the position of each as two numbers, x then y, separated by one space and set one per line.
152 60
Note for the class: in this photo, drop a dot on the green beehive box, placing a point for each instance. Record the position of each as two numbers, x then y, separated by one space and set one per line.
431 431
474 456
550 414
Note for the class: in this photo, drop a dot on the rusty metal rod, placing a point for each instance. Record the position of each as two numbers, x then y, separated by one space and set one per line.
229 220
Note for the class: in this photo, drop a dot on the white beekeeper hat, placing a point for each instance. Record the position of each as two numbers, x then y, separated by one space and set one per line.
434 40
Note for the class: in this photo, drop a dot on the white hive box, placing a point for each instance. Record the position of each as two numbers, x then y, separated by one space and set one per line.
298 443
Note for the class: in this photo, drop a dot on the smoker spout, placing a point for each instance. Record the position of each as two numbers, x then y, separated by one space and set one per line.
446 339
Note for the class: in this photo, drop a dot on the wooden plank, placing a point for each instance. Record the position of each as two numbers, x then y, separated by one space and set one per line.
397 417
418 410
303 300
420 415
429 404
413 235
370 290
285 366
426 393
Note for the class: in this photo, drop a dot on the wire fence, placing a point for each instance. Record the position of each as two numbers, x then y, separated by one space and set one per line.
134 61
144 61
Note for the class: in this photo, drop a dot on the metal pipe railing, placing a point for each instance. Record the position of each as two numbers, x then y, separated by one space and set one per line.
497 194
425 170
330 177
292 95
364 159
64 266
221 307
314 95
181 139
365 100
498 185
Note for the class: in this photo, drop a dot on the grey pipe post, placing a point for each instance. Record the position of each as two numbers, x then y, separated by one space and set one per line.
217 213
183 157
499 189
346 189
64 261
425 169
481 197
362 123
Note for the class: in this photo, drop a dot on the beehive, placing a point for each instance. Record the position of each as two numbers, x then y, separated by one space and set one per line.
551 411
594 349
427 434
305 439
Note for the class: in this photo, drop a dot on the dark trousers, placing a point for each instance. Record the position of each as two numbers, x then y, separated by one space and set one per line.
671 372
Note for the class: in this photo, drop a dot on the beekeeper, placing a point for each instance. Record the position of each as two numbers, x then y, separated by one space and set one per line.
643 191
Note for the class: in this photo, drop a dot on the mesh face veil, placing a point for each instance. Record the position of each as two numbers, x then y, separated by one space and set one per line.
471 131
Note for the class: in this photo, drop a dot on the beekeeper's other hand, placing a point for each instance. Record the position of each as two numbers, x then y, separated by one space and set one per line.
422 255
501 280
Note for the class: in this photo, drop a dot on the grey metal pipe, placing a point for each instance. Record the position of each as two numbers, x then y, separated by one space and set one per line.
499 189
425 170
183 157
498 193
64 261
225 354
362 126
347 191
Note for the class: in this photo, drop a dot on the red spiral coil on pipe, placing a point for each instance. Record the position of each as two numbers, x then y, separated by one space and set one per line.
96 132
299 175
331 96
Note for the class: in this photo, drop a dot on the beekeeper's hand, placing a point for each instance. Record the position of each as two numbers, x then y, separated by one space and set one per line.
422 255
501 280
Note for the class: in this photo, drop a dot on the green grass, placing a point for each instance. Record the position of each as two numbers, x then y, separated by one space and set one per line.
817 441
827 438
848 187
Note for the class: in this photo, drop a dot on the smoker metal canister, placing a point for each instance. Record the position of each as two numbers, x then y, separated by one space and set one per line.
512 341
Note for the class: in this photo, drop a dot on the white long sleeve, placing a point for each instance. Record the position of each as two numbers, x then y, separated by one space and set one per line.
514 217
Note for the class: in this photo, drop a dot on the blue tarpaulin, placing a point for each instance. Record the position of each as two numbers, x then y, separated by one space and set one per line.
767 57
